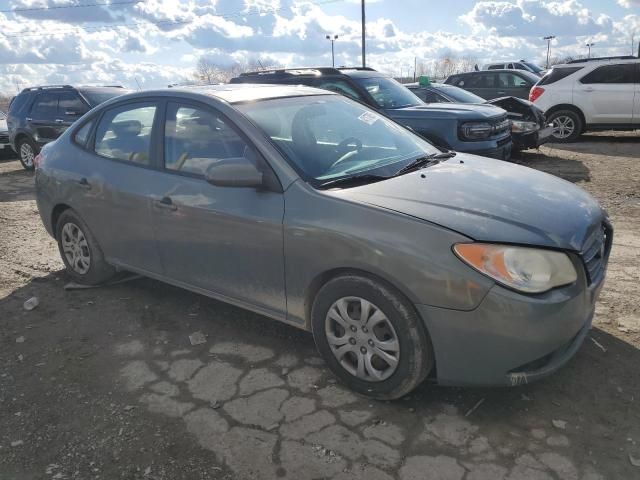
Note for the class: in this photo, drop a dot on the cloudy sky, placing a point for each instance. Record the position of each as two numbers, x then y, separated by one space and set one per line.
151 43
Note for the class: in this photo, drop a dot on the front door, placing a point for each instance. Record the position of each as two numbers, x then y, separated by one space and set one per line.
606 95
225 240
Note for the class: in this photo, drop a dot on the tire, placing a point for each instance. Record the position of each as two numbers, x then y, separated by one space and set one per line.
27 151
402 330
75 241
569 123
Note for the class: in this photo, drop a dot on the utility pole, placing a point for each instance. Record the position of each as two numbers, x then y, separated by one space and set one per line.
364 56
589 45
332 39
548 39
415 67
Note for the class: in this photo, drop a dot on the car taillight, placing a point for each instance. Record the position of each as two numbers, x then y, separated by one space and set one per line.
535 93
38 160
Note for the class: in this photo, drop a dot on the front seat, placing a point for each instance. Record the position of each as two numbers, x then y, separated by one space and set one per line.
304 143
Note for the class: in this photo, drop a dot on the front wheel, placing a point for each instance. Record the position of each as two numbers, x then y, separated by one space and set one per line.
80 252
567 126
371 337
27 152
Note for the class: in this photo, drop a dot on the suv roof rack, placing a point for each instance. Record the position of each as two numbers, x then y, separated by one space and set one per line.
366 69
292 71
45 87
595 59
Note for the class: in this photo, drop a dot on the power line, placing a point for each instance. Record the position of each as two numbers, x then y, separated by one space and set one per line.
158 22
70 5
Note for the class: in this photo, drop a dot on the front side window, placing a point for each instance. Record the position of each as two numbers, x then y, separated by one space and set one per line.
622 73
511 80
45 106
388 93
124 133
196 138
331 137
70 105
481 80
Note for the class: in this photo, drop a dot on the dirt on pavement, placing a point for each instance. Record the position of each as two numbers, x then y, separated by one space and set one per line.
104 382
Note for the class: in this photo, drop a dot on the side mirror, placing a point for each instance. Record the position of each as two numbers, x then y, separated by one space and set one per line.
234 172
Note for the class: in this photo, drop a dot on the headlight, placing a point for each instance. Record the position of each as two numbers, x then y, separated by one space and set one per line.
476 130
529 270
519 126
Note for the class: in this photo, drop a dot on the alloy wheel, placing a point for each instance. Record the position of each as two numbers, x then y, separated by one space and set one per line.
75 248
362 339
27 154
563 127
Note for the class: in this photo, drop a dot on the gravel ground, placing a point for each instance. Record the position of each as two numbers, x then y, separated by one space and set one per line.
104 383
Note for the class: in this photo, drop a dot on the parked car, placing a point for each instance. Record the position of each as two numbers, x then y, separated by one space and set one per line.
39 115
5 146
590 94
516 65
495 83
529 128
479 129
403 261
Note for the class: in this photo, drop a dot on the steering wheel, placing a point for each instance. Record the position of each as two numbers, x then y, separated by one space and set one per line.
343 146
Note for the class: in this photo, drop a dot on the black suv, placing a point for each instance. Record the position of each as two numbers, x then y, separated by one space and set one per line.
39 115
479 129
490 84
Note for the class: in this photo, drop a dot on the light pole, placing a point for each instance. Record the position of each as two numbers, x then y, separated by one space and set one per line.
332 38
589 45
548 39
364 61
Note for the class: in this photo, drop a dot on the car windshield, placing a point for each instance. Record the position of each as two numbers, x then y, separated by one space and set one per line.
461 95
388 93
329 137
96 97
535 68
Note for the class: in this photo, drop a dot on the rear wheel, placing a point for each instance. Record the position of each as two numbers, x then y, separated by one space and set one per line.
567 125
27 152
80 252
370 337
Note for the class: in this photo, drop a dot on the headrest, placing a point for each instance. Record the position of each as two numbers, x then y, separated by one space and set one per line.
126 127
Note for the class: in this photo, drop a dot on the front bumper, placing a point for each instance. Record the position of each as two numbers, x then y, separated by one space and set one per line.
510 339
524 141
501 150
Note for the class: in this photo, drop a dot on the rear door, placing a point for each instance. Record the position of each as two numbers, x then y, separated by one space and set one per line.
41 120
111 178
606 94
482 84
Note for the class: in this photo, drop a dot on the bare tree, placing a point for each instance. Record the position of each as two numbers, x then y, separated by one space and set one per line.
208 71
4 102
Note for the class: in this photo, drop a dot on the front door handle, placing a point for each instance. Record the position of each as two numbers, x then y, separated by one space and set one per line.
84 183
59 120
166 203
587 89
28 119
501 93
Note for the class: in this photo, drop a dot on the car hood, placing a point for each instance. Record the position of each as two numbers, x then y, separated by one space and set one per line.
447 110
490 200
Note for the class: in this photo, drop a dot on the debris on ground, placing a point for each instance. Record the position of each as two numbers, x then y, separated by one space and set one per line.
20 339
559 424
634 461
475 407
30 304
17 443
598 344
197 338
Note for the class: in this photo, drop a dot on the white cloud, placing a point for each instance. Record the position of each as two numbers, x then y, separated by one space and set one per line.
629 3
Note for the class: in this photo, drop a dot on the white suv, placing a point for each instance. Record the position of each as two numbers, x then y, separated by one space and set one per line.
594 94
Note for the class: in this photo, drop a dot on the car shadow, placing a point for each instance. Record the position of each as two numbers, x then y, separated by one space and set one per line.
16 183
572 170
614 144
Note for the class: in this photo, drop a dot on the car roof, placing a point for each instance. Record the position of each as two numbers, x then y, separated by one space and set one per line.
245 92
597 62
432 84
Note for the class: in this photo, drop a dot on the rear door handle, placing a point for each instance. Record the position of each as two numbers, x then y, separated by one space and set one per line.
587 89
166 203
28 119
501 93
59 120
84 183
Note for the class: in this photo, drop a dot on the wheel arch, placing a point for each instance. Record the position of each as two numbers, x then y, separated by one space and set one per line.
567 106
55 215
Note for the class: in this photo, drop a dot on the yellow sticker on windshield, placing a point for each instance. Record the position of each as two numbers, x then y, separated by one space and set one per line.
368 117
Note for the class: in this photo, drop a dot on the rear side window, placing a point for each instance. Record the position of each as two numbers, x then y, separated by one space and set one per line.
429 96
621 73
495 67
19 103
124 133
45 106
339 86
482 80
196 138
557 74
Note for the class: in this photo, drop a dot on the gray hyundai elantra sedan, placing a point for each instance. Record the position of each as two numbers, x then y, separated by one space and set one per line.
404 261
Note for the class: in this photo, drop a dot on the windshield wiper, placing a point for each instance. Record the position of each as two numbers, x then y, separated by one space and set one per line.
352 181
425 161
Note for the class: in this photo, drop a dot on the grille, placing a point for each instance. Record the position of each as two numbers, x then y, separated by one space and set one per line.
4 138
502 125
596 252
